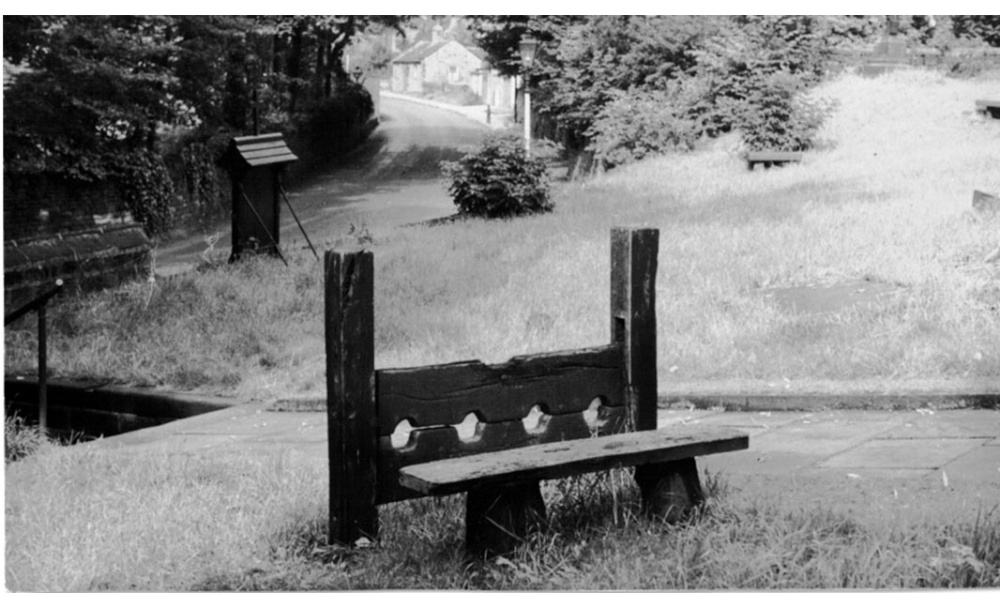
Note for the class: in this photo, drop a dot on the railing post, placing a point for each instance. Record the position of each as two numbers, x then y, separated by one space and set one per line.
352 418
43 364
38 303
633 317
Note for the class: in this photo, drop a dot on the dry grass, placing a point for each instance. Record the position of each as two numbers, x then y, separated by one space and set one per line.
88 518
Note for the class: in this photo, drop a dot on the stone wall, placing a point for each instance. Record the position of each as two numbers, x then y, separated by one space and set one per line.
90 259
35 205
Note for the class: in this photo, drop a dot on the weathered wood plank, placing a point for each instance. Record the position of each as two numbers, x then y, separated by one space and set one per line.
772 157
561 382
351 407
443 442
633 317
497 520
243 140
670 490
760 156
559 460
988 107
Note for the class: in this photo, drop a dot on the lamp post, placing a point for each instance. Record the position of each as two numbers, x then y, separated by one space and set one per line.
528 46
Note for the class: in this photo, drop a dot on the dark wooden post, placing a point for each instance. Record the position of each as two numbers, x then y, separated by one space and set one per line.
499 518
351 408
669 490
633 317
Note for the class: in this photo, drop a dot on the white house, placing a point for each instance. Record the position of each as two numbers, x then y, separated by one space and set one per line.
444 63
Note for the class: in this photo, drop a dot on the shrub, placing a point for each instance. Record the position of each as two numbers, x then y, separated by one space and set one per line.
773 115
336 124
148 189
637 124
19 438
500 180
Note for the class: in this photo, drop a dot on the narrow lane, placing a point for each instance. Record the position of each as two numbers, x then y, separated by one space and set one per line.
391 180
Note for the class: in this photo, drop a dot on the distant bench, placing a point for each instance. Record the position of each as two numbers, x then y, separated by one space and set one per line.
594 409
772 157
988 107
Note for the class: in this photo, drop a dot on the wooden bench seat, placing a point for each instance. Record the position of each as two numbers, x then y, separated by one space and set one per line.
592 409
989 107
772 157
567 458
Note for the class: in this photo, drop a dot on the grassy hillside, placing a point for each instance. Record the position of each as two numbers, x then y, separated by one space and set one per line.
886 197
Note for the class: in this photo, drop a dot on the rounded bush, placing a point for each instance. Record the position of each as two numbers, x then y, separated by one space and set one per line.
500 180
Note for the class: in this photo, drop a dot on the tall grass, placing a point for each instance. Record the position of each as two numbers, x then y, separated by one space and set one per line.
886 197
91 518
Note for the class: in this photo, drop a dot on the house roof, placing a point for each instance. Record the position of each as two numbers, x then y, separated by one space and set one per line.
420 51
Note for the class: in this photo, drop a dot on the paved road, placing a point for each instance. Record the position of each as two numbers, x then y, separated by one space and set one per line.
393 179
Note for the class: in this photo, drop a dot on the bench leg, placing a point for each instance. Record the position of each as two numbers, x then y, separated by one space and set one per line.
498 519
670 490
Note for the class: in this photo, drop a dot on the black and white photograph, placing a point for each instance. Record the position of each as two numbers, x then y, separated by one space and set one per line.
501 302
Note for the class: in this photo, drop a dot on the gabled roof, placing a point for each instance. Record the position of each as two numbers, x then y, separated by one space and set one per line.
257 151
419 52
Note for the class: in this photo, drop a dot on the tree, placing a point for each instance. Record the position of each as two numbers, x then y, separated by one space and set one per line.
93 85
983 26
94 94
630 86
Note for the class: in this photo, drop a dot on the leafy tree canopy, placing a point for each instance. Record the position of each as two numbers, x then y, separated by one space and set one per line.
93 87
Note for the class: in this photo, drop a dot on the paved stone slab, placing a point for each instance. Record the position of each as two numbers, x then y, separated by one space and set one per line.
824 435
948 424
879 473
903 454
766 420
757 462
847 446
668 417
980 464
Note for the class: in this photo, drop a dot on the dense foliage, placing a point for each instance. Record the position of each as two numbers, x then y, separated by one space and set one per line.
500 180
95 98
626 87
981 26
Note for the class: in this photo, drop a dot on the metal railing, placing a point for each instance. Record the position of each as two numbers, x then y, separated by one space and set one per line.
39 303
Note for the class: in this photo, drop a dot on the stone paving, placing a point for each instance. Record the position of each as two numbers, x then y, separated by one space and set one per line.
957 445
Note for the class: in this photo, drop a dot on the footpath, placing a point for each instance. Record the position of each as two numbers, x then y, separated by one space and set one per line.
956 445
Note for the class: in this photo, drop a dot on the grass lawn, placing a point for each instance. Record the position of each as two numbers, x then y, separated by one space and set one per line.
89 519
887 196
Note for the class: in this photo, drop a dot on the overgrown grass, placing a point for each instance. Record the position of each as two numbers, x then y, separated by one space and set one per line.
156 520
886 197
20 439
